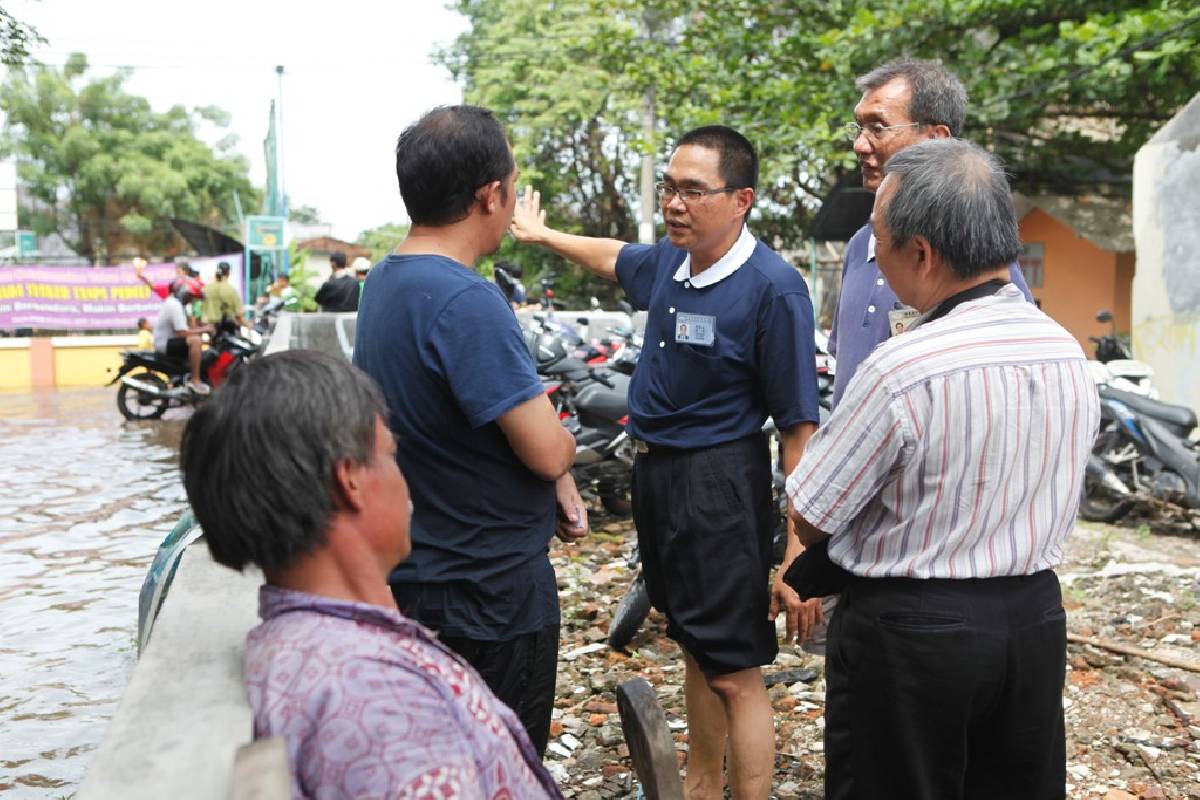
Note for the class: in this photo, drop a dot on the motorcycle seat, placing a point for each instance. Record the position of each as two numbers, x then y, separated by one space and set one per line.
567 367
1180 416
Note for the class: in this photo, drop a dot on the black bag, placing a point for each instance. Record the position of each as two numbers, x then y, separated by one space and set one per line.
813 573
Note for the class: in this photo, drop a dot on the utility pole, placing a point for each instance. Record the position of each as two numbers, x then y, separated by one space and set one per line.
649 200
646 229
279 138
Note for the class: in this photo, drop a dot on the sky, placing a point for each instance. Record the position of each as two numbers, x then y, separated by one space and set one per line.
356 72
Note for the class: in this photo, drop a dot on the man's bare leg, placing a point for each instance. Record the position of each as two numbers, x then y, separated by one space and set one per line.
194 347
751 728
706 736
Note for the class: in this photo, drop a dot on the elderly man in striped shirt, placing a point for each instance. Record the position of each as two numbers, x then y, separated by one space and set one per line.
945 484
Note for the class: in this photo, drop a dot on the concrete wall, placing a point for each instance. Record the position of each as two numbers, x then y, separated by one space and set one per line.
1079 278
1166 286
41 362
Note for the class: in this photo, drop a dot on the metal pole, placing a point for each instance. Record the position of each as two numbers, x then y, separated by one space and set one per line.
649 200
279 135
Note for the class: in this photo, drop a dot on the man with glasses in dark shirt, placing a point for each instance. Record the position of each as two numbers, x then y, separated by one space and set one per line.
728 341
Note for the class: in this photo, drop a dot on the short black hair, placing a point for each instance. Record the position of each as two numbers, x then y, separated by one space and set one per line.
223 268
259 458
338 259
445 157
141 321
738 164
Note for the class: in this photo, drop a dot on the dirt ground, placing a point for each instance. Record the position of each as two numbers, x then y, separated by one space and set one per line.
1133 723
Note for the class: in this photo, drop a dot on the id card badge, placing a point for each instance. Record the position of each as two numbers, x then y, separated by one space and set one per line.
901 319
695 329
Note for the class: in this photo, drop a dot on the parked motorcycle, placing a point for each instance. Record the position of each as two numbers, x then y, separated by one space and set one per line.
151 382
1142 459
593 403
1116 367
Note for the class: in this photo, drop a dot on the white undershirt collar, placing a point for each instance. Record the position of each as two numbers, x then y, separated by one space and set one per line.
871 248
725 266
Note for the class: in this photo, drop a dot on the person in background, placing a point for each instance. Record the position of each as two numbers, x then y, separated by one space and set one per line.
340 292
221 299
162 290
145 334
486 457
368 702
945 483
178 338
361 267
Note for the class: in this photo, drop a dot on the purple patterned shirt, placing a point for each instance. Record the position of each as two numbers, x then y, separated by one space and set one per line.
372 705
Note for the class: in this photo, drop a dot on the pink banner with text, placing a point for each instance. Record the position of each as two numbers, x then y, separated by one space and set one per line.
92 298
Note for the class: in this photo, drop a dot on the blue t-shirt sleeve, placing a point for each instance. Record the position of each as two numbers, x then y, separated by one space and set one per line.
788 358
638 266
482 355
1017 276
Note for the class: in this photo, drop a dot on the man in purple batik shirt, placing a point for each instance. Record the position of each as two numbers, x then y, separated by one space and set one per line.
368 702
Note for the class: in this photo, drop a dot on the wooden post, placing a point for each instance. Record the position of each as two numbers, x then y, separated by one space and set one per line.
649 740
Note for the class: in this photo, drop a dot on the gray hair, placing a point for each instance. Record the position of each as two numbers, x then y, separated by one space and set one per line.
938 96
954 194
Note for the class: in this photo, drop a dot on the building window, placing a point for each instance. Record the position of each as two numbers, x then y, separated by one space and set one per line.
1033 261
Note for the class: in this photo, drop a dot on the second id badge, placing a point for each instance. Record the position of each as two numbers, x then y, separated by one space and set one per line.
695 329
901 319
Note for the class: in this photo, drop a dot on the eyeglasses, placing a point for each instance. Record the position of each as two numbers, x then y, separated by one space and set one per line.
875 131
666 191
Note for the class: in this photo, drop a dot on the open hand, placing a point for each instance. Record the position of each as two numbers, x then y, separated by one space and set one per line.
802 615
529 221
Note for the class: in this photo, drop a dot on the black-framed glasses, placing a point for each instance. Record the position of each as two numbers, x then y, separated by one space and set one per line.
875 131
666 191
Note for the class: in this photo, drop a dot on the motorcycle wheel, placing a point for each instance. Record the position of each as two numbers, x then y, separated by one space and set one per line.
631 613
617 503
1096 504
135 405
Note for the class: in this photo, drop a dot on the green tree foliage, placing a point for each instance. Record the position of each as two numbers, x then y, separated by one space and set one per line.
382 240
15 39
106 171
305 215
1064 90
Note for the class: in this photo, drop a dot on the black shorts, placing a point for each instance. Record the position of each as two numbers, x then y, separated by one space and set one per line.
705 522
177 348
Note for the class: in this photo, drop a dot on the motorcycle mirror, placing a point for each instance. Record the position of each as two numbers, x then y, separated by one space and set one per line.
1104 316
581 320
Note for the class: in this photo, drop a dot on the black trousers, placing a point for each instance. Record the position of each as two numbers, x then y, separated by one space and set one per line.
521 673
945 689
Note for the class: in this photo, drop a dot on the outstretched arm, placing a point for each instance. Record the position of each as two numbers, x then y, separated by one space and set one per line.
529 227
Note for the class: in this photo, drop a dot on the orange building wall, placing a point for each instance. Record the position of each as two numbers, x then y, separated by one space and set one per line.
1079 279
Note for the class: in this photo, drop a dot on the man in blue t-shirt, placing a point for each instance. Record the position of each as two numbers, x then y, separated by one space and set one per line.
483 451
728 342
904 101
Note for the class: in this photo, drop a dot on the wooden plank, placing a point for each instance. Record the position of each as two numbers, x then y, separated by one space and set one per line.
260 771
649 740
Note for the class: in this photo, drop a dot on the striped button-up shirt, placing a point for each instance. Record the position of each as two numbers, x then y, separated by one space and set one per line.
958 449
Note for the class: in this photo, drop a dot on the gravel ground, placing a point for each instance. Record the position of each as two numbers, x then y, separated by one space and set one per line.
1133 724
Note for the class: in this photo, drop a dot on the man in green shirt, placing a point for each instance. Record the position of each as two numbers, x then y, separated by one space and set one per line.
220 298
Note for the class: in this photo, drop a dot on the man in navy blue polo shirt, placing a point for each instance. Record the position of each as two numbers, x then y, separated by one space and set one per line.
728 342
483 451
904 101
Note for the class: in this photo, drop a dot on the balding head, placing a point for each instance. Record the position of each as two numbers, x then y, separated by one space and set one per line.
954 195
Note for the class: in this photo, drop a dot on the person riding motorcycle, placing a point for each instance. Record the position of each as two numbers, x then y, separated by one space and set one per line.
175 338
